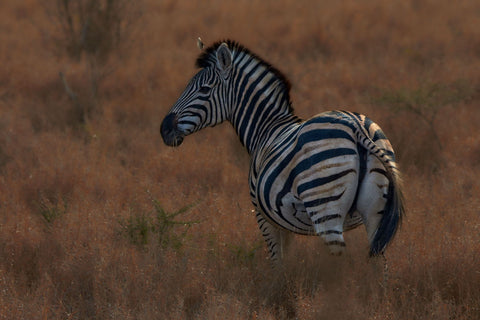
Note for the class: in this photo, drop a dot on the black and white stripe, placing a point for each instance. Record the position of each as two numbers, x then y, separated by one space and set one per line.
322 176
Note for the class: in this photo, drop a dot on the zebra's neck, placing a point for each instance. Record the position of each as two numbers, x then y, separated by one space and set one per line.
262 106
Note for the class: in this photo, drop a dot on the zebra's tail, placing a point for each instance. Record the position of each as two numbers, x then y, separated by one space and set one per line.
394 209
391 218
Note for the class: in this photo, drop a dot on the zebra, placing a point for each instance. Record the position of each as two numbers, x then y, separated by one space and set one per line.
321 176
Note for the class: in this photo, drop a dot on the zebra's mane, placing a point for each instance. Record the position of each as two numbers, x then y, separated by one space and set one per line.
207 58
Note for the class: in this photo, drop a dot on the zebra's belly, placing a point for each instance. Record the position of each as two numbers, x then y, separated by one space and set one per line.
293 211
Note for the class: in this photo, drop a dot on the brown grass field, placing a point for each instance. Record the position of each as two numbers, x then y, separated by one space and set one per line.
100 220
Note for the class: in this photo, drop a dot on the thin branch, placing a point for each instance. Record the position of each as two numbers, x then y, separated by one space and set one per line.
73 96
70 93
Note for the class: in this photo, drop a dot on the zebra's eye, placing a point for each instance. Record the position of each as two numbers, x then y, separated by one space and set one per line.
204 89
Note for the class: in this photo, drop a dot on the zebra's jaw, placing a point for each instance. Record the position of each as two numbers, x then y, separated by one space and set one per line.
171 135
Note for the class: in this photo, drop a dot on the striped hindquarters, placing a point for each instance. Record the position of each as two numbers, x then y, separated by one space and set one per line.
371 137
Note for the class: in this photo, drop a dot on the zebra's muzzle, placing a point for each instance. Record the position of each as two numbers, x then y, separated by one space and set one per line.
169 131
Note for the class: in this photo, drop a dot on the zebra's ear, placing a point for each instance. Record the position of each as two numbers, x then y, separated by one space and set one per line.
224 57
200 44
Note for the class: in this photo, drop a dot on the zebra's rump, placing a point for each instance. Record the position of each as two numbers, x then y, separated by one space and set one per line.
312 169
315 169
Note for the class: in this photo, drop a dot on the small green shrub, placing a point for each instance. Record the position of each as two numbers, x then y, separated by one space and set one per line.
141 228
165 223
52 209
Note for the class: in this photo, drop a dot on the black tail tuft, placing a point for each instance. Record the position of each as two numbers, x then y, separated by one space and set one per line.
391 219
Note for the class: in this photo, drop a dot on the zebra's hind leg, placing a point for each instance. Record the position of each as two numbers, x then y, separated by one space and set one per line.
327 206
277 239
328 224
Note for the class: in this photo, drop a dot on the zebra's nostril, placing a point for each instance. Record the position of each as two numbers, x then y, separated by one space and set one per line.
169 132
168 124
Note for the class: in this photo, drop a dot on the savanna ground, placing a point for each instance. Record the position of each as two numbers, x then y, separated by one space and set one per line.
90 198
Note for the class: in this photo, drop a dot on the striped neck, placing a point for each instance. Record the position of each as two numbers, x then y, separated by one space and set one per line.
261 103
260 112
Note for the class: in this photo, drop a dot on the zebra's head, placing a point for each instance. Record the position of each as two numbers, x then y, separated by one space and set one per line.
202 103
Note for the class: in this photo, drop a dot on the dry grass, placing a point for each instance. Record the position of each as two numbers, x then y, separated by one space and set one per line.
72 183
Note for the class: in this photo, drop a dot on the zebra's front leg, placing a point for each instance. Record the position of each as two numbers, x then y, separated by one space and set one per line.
277 239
